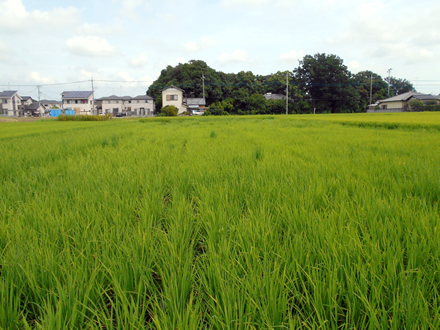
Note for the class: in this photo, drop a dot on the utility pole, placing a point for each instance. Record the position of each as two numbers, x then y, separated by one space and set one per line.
203 80
287 93
93 99
389 80
371 90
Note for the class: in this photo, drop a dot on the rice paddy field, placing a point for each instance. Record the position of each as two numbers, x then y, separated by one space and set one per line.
268 222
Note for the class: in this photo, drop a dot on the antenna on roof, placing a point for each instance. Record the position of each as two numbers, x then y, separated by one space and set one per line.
389 81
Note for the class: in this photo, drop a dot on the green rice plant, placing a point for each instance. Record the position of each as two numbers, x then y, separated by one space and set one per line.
294 222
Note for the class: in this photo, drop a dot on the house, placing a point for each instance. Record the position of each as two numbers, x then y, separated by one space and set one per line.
173 95
196 106
51 104
141 105
10 103
81 102
35 109
399 103
27 100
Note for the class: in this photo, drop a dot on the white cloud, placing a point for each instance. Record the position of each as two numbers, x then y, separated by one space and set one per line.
94 29
131 7
90 46
15 17
139 62
36 77
354 66
237 56
244 3
195 46
292 56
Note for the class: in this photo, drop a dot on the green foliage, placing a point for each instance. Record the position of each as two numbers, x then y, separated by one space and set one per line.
263 222
415 104
84 118
328 83
399 86
169 111
431 102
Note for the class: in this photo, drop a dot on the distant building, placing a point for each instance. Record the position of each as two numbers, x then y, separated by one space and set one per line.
81 102
196 106
399 103
51 104
10 103
173 95
141 105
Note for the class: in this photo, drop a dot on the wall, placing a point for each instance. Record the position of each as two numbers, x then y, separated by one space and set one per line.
177 103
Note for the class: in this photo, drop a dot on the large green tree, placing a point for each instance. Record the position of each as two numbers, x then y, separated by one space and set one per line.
327 83
188 76
366 81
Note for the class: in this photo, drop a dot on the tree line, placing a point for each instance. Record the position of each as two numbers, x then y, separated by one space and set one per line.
320 82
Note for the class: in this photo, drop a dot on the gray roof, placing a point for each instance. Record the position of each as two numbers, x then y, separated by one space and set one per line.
8 93
195 101
142 97
50 101
402 97
425 97
33 106
25 98
171 86
76 95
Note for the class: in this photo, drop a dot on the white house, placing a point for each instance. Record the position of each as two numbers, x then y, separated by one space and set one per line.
142 105
173 95
81 102
10 103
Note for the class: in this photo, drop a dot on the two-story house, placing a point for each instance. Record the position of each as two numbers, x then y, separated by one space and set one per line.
10 103
142 105
81 102
173 95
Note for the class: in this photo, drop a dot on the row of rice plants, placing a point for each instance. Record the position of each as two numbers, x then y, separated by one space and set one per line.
263 222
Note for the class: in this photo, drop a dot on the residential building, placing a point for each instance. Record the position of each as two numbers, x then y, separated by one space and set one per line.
142 105
81 102
35 109
27 100
399 103
10 103
174 96
51 104
196 106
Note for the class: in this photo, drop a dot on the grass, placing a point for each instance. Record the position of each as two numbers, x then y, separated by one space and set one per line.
237 222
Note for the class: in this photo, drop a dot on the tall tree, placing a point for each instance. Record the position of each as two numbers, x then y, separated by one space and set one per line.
400 86
366 81
327 82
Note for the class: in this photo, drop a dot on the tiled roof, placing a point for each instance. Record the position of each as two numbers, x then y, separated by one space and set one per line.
402 97
33 106
8 93
76 95
142 97
171 86
49 101
195 101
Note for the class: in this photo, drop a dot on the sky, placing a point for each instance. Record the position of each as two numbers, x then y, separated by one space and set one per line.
124 44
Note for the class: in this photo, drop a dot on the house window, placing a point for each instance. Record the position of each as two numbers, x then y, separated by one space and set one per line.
4 101
384 106
172 98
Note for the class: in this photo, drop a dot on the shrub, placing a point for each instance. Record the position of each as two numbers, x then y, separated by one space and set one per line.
415 104
168 111
84 118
